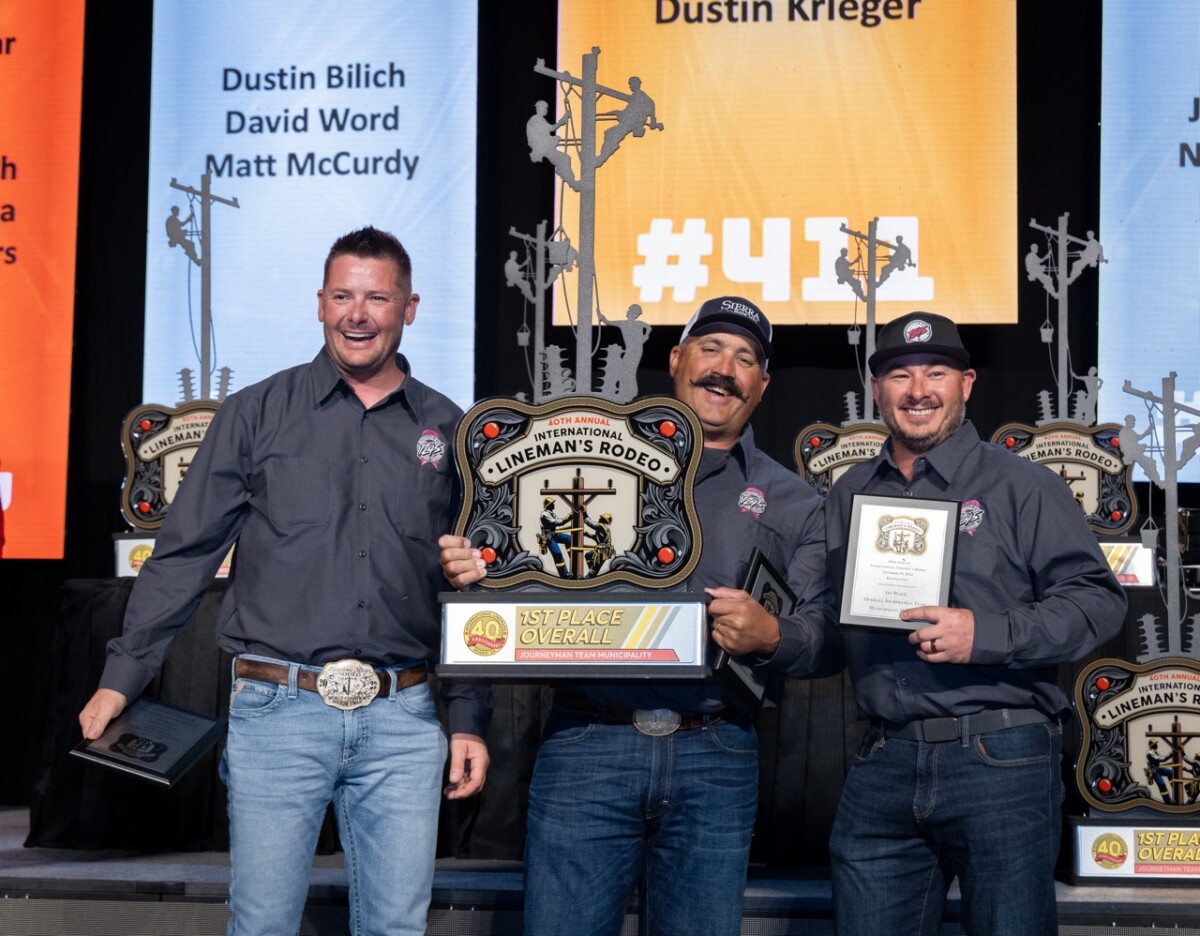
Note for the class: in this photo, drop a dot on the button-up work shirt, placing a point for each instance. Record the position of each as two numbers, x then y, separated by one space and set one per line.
1027 567
745 500
335 510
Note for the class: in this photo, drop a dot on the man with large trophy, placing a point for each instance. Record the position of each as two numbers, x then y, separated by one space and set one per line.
662 775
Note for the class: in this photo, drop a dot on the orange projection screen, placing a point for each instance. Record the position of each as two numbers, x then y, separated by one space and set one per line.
783 122
41 69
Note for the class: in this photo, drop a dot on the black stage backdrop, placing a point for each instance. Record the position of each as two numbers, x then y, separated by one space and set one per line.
806 745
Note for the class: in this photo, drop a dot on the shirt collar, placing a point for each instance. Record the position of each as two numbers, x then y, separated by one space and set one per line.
326 379
945 459
744 449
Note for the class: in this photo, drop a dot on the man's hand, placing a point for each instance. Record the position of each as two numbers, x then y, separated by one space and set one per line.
949 636
468 765
740 624
461 565
103 707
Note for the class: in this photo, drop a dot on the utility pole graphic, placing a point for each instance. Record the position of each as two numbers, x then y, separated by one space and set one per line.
577 497
1169 484
1065 259
633 120
204 261
545 260
899 257
1167 772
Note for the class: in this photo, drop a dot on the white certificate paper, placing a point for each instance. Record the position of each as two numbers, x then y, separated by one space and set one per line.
900 554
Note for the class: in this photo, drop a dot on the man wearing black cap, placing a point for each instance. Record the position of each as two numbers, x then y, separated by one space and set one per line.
610 802
959 772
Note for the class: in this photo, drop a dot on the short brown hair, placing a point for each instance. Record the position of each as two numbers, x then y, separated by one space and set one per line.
375 244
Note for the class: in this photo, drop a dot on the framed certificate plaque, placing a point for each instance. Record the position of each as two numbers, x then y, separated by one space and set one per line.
900 554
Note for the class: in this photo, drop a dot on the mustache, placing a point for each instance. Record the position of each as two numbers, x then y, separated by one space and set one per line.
925 402
722 382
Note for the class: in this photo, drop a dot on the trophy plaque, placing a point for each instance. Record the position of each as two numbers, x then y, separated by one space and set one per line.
159 443
1140 755
766 585
1089 460
583 511
823 452
153 741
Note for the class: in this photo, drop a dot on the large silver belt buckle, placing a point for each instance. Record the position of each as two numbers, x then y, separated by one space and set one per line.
347 684
656 722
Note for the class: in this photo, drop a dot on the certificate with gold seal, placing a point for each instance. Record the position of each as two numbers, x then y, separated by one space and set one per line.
900 554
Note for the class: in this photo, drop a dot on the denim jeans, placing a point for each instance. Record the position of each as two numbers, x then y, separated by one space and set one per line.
607 804
287 757
914 815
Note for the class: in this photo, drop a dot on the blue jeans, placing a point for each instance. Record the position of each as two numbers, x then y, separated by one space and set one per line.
287 757
914 815
608 803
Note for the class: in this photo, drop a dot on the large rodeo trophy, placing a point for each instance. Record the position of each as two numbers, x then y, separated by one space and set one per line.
580 504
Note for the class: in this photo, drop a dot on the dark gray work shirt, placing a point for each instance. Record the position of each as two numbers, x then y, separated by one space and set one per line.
1027 567
745 499
335 510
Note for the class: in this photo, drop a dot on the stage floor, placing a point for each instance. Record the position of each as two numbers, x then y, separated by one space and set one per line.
61 892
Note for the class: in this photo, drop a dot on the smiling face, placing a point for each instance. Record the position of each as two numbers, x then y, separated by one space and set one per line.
718 375
364 309
922 401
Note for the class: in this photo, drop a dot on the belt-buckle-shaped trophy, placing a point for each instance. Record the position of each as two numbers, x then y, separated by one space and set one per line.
581 505
584 514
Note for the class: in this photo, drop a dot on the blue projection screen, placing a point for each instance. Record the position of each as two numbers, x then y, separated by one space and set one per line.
310 119
1150 218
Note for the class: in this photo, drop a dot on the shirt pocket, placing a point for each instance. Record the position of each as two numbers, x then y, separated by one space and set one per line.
978 571
421 503
299 492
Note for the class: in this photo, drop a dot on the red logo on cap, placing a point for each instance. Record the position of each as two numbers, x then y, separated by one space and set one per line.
917 331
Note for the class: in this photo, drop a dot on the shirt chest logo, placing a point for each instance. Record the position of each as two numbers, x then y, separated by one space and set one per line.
970 517
752 500
431 448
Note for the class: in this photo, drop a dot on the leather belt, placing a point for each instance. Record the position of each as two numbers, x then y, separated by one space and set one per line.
647 721
958 729
340 684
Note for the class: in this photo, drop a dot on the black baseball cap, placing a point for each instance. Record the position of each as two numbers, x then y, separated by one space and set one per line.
733 315
921 333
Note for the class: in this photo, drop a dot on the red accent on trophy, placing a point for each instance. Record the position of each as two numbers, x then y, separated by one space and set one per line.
491 430
667 428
